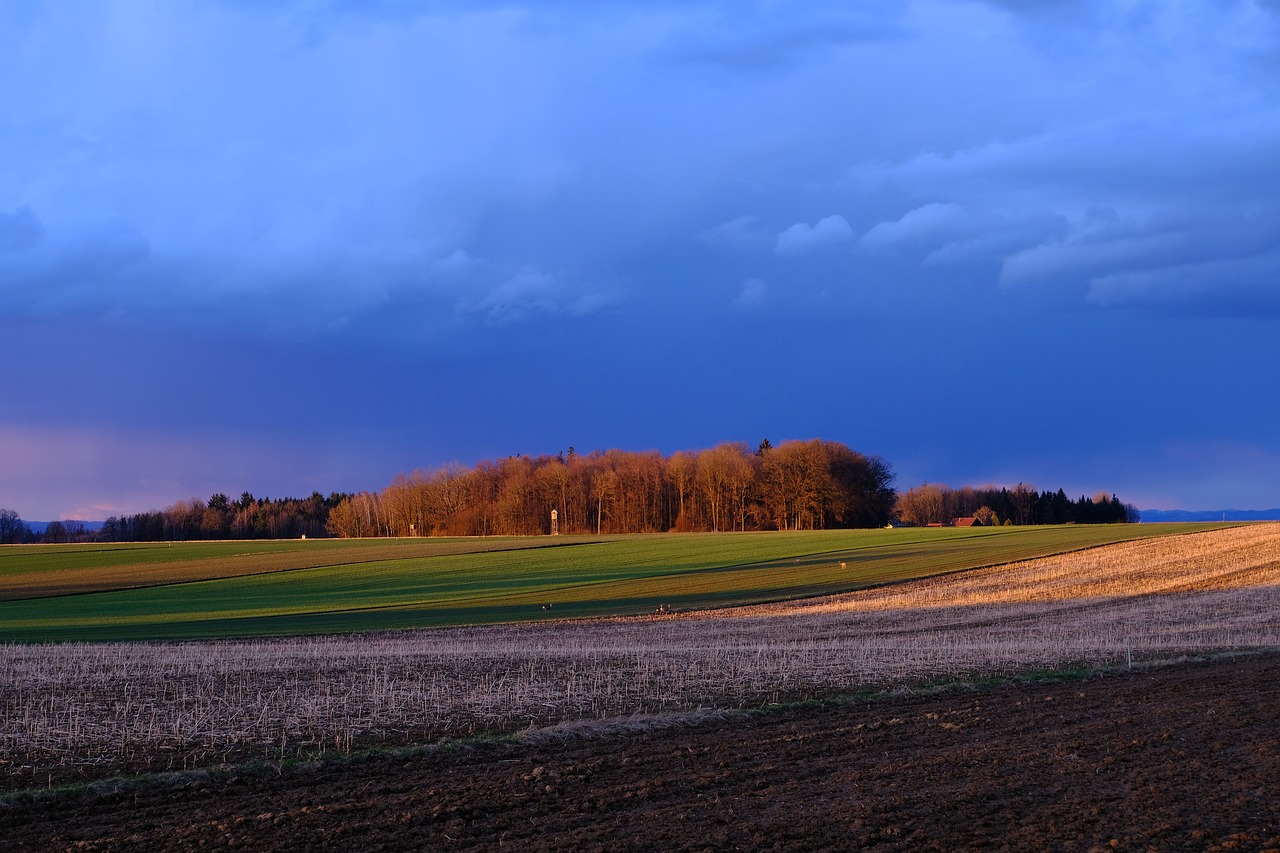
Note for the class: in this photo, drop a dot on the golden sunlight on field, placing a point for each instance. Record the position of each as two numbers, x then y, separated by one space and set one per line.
86 710
1149 599
1219 560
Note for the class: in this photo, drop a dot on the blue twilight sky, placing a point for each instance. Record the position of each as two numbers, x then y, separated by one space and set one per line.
308 244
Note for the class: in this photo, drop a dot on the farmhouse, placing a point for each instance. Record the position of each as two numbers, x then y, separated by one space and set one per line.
971 521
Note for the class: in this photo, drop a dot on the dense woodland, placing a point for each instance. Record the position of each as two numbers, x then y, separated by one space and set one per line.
797 485
801 485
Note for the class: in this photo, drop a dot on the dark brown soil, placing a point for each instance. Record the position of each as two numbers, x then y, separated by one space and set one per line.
1178 758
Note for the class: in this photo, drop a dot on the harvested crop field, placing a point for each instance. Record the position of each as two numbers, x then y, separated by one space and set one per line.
1176 758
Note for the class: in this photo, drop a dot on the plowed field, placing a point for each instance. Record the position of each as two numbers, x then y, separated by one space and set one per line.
1183 757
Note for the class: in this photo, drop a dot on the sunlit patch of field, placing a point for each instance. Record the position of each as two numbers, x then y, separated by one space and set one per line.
1203 592
91 709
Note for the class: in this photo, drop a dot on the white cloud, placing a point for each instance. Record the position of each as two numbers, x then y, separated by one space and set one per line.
1077 260
940 233
802 237
933 223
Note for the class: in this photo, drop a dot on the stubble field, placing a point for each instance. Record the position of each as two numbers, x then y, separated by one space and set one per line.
1181 758
673 690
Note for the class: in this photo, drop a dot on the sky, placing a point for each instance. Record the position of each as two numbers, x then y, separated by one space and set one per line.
303 245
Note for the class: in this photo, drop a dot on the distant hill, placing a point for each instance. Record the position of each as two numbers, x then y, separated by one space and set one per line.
39 527
1155 515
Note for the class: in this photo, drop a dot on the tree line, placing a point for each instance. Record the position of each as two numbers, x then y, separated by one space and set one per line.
219 517
222 518
935 503
798 485
15 531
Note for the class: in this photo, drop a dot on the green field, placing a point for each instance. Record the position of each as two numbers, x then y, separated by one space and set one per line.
241 589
